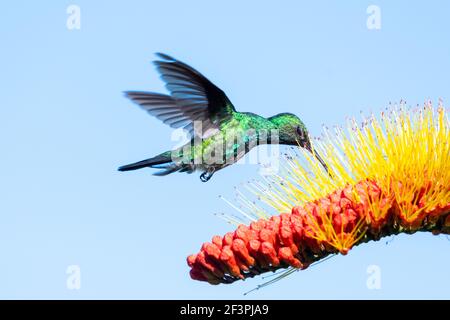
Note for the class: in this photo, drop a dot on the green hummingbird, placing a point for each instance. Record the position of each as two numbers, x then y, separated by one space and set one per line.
219 135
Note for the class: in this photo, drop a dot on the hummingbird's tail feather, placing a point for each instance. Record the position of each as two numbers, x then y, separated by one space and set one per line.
168 169
155 162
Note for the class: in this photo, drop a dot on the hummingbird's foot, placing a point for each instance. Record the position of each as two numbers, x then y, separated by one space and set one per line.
205 176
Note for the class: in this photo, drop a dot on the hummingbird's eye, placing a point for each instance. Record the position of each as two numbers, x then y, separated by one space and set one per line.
300 133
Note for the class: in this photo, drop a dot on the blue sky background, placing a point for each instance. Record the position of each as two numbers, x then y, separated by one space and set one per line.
65 128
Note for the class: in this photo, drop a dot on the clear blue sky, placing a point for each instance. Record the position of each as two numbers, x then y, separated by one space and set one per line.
65 128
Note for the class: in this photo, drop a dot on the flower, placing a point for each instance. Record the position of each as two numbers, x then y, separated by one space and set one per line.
385 177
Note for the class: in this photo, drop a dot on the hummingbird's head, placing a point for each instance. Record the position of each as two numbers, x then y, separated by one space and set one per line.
292 131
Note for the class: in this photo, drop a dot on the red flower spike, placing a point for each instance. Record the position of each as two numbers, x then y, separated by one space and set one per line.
303 236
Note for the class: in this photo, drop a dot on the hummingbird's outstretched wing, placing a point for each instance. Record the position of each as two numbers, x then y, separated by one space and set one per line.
192 98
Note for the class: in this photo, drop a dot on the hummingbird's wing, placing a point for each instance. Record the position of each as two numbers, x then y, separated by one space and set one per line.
192 98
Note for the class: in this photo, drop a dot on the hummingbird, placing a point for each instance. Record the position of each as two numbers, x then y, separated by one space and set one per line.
219 135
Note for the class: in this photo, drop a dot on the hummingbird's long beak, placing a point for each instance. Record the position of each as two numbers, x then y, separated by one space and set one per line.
318 157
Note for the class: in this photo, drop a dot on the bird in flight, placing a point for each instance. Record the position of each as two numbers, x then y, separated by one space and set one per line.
219 135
